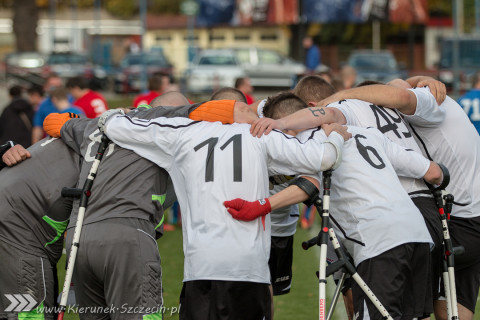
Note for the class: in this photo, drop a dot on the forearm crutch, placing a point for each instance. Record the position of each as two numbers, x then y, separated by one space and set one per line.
84 195
448 263
323 239
343 261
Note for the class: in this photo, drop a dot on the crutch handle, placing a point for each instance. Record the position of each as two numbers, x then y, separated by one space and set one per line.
71 192
310 243
445 181
334 267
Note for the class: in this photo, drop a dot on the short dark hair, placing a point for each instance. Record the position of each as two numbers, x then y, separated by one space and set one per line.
155 81
170 98
59 93
79 82
282 105
368 83
229 93
35 88
313 88
476 79
239 82
15 91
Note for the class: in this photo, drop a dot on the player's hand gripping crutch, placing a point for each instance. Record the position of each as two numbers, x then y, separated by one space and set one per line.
448 262
343 261
84 195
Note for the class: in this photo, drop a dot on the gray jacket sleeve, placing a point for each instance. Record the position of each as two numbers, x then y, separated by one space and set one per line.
72 132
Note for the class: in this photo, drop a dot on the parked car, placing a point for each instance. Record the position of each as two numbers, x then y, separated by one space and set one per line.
213 69
72 64
375 65
267 68
468 61
25 67
128 78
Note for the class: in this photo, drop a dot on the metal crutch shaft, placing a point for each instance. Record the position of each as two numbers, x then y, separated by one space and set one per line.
86 191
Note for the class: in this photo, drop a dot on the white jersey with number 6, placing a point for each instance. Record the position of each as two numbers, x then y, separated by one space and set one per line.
210 163
367 199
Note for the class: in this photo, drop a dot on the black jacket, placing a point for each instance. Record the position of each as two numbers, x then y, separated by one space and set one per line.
16 123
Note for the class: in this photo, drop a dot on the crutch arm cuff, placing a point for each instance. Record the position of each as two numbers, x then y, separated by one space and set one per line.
308 187
336 140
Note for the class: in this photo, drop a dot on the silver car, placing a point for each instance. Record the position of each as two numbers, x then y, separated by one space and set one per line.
268 68
213 69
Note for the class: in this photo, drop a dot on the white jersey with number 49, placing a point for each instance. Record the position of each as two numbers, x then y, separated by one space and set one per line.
364 114
210 163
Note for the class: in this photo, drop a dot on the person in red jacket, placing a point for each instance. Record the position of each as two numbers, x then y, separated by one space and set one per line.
92 103
244 85
158 84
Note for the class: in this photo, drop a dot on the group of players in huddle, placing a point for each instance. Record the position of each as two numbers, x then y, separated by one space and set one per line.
383 141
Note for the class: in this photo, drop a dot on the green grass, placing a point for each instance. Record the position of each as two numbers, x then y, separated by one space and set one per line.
123 102
300 303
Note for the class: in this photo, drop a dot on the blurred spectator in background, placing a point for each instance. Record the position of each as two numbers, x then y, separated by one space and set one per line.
158 84
312 54
348 74
45 108
326 75
35 96
244 85
60 100
337 83
16 119
92 103
155 89
470 102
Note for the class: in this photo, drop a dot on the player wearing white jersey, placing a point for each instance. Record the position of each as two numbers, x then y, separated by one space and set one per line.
284 226
446 135
365 114
390 235
221 252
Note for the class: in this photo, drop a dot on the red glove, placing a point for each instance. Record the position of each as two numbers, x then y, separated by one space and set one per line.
247 210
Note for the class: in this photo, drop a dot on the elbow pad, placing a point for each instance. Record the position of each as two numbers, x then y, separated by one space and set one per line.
309 188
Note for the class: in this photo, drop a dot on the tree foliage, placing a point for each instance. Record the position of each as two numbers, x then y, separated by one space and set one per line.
25 19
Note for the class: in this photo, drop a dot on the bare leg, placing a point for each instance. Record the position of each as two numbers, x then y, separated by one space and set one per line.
348 300
271 296
440 307
464 313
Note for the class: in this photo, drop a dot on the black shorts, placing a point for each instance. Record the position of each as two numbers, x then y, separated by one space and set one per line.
280 264
218 300
466 232
398 277
432 219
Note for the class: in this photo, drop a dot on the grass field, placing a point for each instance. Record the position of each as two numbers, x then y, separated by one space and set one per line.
300 303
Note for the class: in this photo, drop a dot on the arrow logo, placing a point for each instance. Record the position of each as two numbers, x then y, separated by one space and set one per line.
31 302
20 302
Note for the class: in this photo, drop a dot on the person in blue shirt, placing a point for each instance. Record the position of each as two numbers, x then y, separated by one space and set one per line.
312 54
46 107
59 97
470 102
